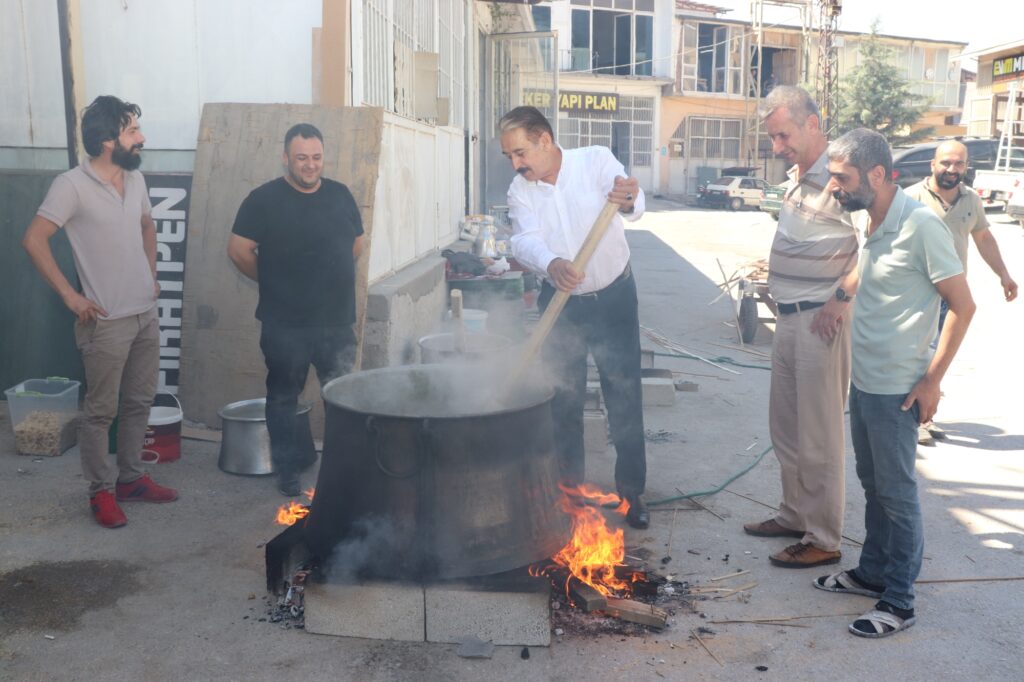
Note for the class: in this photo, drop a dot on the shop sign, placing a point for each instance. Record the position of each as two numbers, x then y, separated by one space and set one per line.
588 101
1008 67
169 194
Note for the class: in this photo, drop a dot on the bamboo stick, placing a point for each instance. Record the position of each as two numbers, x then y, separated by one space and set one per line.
700 641
560 298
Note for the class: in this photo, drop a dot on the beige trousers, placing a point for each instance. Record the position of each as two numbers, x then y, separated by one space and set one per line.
121 358
810 382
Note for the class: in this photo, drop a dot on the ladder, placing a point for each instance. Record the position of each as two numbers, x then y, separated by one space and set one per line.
1012 136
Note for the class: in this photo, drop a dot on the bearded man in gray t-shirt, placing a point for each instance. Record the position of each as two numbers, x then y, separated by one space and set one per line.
104 208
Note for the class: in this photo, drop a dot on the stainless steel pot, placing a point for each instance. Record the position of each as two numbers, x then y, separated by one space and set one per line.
480 347
245 442
427 474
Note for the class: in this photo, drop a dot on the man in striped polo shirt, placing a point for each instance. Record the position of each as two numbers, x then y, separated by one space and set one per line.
812 278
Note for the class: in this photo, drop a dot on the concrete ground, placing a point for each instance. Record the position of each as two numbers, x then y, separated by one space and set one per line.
176 595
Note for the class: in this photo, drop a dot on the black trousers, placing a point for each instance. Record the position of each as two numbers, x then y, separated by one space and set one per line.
607 325
288 353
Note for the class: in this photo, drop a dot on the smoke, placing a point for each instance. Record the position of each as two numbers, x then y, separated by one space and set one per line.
374 548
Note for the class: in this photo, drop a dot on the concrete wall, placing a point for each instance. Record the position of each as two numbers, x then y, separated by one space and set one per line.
36 329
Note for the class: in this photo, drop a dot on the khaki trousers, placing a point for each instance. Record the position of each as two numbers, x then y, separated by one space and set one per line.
810 382
121 358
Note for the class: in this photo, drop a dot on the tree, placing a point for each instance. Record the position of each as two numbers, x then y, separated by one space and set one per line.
876 96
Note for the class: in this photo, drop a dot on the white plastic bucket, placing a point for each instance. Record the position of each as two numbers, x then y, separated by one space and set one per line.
163 434
474 320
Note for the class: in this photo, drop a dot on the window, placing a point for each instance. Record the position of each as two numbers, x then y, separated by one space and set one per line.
712 56
610 37
715 138
392 32
634 121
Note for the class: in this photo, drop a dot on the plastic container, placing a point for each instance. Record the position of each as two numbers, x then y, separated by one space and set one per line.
42 413
55 394
474 320
163 432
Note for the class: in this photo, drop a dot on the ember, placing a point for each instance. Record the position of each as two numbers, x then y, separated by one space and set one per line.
594 551
288 514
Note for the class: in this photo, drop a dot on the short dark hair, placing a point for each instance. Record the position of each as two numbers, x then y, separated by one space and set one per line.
304 130
104 120
863 149
529 119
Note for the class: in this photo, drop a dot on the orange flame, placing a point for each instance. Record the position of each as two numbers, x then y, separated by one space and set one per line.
594 550
288 514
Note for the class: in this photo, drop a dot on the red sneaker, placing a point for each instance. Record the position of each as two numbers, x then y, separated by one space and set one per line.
104 507
146 490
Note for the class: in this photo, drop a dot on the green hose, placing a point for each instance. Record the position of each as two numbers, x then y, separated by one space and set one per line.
722 360
712 491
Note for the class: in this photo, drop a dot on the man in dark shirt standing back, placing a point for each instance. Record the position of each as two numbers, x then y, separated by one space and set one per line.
298 237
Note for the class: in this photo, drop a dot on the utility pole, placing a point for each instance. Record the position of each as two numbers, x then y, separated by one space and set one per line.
827 84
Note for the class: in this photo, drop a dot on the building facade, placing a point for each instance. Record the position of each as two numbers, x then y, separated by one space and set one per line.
709 116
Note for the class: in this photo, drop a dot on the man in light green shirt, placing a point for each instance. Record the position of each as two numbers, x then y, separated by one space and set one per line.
906 263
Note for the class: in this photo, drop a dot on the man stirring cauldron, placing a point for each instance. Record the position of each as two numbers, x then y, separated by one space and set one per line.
298 236
553 202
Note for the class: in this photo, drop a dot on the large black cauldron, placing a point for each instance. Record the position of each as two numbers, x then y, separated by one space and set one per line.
429 471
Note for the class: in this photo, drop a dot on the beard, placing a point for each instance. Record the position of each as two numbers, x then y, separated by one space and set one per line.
948 180
858 200
128 159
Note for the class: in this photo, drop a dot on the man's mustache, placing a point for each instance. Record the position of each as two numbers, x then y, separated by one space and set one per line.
523 170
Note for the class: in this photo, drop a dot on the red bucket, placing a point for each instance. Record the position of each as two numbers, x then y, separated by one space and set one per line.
163 434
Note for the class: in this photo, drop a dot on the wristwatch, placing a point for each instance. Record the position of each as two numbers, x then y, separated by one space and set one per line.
841 295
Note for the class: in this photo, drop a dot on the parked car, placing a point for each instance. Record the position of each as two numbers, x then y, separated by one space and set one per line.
771 200
913 163
735 192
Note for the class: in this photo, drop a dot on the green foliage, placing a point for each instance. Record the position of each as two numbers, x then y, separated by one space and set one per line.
876 96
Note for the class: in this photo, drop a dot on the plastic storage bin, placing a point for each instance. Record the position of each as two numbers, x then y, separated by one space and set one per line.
42 414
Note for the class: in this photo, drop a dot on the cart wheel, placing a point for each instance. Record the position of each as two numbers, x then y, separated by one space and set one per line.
735 204
748 319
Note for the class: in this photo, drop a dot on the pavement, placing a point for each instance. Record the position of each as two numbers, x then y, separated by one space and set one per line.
177 594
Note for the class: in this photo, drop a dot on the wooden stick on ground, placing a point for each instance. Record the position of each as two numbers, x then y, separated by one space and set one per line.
730 575
560 298
696 502
781 619
935 581
665 343
671 530
700 641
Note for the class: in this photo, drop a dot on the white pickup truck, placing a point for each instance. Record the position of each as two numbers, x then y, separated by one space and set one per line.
1005 180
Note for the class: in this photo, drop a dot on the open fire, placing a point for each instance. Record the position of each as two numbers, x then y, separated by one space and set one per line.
288 514
595 554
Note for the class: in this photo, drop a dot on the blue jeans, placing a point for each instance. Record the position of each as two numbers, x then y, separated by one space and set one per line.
885 445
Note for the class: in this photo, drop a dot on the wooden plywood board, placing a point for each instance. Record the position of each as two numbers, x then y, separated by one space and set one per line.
240 148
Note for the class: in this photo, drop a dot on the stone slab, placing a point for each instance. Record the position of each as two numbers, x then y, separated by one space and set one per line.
374 610
511 618
658 392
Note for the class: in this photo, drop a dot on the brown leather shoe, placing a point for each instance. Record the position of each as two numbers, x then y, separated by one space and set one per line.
804 556
771 529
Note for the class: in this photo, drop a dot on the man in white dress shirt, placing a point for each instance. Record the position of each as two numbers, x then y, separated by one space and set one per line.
553 202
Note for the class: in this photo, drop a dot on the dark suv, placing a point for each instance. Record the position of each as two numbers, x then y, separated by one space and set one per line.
912 163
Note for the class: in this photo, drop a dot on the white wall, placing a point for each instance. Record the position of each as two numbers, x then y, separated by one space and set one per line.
168 57
420 193
32 104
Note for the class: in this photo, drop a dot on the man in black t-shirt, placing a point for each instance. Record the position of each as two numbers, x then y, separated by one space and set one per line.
298 237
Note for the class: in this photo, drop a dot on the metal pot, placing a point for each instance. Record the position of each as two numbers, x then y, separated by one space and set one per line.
479 347
245 442
427 475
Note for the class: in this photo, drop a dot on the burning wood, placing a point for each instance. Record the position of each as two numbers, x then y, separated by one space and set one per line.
288 514
637 612
594 551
